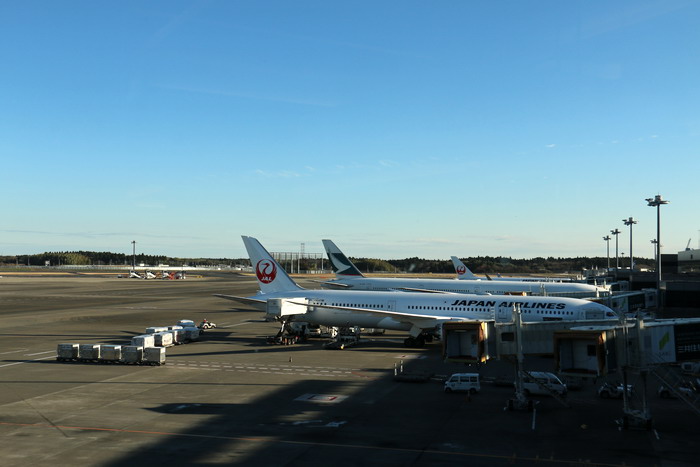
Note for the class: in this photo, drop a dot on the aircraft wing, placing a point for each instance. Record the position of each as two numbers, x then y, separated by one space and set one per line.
411 289
398 315
335 284
252 302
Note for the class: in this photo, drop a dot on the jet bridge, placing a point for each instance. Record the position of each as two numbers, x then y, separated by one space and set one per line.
586 351
465 342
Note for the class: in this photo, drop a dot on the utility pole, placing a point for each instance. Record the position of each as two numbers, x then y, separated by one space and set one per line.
616 232
607 241
630 222
656 202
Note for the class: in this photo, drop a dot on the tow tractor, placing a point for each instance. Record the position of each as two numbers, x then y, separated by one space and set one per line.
206 325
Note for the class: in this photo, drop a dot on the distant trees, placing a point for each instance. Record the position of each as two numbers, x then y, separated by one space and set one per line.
478 265
105 258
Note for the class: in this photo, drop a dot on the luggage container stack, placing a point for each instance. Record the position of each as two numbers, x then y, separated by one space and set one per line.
154 356
132 354
145 349
104 353
88 352
191 333
110 353
163 339
144 340
67 352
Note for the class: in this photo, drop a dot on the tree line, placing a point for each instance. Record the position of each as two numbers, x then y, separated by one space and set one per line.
105 258
477 264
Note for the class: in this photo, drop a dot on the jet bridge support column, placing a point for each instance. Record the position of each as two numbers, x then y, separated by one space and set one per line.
519 402
634 418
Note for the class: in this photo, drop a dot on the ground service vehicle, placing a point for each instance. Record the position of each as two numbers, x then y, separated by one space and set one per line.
206 325
686 388
614 391
542 383
468 382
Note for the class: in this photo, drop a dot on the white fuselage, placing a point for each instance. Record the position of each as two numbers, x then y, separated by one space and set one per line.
343 308
561 289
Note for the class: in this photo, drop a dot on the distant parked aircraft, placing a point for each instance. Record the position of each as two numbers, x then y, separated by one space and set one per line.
463 273
348 276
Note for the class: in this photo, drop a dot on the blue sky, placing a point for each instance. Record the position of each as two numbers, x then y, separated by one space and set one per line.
397 129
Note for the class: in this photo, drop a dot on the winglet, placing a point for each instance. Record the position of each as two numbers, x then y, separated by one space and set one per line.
462 270
342 266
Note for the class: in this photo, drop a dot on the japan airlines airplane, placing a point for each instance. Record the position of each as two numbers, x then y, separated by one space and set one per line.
348 276
463 273
422 314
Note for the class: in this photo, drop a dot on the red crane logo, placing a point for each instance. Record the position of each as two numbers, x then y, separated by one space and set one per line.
266 271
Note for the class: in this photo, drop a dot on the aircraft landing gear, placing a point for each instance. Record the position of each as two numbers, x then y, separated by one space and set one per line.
414 341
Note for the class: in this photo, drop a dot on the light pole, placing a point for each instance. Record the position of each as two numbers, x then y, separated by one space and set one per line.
656 202
607 241
133 261
616 232
630 222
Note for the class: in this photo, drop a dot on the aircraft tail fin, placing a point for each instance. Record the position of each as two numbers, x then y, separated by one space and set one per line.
342 266
462 270
271 276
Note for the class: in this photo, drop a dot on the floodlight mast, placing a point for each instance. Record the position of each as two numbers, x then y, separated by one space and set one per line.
607 241
630 222
616 232
656 202
133 260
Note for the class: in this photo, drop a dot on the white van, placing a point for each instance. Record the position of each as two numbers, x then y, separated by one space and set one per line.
542 383
463 382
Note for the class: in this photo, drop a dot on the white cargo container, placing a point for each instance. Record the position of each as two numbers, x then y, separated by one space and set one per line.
89 352
179 336
132 354
144 340
110 353
155 329
175 327
191 334
186 323
163 339
67 352
154 355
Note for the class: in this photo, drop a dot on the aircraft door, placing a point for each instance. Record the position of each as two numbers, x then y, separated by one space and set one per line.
391 305
504 314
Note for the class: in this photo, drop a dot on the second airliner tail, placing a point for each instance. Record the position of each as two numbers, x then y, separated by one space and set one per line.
462 270
342 266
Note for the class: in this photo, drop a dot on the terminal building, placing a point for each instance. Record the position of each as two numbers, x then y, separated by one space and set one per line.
679 292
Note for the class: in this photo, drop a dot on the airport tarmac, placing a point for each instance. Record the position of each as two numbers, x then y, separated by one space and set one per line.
232 399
